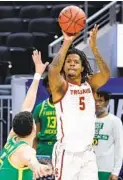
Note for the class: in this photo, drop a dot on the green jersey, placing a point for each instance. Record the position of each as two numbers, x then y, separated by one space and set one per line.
45 114
7 169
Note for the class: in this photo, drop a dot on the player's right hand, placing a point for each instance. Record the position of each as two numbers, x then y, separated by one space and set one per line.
70 37
42 170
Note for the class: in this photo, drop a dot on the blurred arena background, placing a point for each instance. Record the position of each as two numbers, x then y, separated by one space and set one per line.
29 25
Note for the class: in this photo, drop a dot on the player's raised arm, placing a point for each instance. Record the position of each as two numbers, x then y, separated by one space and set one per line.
32 92
98 79
57 81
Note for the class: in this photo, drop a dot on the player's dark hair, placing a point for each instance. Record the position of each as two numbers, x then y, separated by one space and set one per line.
23 123
87 68
105 94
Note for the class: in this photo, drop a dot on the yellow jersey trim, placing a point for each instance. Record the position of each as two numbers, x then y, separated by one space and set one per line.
51 105
1 162
20 174
42 107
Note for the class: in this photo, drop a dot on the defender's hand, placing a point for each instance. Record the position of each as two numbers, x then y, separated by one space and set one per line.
42 170
39 65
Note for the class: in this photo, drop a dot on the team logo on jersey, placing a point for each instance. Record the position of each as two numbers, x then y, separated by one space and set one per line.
81 91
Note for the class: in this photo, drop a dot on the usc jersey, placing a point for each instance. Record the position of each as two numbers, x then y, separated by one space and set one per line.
76 117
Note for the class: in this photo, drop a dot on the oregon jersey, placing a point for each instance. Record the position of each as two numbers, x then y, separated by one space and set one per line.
45 114
7 169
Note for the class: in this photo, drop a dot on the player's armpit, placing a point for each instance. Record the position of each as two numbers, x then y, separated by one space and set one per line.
58 85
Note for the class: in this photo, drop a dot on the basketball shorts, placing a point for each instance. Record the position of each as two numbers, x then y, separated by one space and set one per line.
74 165
103 175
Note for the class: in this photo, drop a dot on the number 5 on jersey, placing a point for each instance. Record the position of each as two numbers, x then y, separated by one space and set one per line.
82 103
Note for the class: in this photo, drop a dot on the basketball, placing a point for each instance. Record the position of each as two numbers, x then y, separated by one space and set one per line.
72 19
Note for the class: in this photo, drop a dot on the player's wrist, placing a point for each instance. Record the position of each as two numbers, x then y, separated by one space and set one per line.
37 76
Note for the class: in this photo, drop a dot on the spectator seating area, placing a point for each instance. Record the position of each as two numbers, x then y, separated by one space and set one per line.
28 25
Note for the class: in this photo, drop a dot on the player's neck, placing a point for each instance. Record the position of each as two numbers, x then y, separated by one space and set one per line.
74 80
28 140
102 114
50 99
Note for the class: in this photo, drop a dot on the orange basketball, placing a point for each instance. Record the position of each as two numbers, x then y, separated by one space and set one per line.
72 19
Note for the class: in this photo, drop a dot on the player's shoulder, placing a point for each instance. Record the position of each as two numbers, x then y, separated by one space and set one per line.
26 149
25 152
114 118
39 106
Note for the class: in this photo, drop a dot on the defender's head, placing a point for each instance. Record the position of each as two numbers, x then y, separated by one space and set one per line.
24 124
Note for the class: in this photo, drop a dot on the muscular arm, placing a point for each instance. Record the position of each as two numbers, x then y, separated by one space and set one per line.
100 78
56 80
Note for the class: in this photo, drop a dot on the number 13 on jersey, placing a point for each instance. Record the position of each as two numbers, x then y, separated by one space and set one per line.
82 103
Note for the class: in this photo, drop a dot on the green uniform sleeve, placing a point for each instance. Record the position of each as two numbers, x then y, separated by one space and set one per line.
37 112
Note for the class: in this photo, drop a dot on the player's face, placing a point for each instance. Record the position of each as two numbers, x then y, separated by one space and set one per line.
73 66
100 103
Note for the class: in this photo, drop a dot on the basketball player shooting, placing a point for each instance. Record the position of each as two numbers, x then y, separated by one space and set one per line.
18 158
73 157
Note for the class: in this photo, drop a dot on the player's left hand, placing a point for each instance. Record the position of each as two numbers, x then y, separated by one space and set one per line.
93 36
39 65
113 177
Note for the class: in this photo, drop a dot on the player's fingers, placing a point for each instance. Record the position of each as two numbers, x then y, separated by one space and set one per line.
36 175
36 52
33 57
39 54
46 64
90 33
42 172
96 28
46 170
50 170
